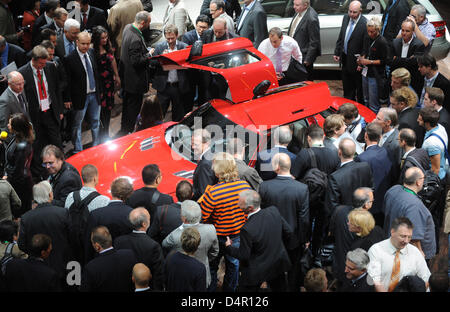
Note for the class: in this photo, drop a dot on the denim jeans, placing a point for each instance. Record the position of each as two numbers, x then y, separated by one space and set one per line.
92 108
370 91
230 280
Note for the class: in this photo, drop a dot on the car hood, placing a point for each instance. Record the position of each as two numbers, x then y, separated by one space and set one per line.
128 155
241 79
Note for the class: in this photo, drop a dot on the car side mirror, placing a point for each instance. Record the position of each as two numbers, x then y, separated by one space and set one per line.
196 49
261 88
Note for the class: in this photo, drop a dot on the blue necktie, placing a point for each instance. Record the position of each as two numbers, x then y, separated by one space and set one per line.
90 73
71 48
348 35
387 16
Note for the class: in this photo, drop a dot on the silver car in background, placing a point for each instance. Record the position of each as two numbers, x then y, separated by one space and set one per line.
331 12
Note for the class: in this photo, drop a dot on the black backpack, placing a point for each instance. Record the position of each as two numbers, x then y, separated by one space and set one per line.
79 214
316 180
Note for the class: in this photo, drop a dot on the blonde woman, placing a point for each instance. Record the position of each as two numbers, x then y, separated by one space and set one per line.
362 223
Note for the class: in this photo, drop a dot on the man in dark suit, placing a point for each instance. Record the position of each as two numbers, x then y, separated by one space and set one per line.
433 78
252 23
91 16
63 177
114 216
13 99
111 270
33 274
217 32
83 90
148 196
51 220
378 159
350 43
59 18
404 52
281 138
394 14
305 29
146 250
203 173
232 8
44 19
356 272
11 53
44 104
413 156
133 70
434 97
66 42
291 199
347 178
201 24
172 86
262 255
168 217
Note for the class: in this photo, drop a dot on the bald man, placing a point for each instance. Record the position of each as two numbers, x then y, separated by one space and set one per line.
82 93
291 197
217 32
141 277
13 99
147 250
403 201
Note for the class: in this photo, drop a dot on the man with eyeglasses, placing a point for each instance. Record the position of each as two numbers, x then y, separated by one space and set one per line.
403 201
63 177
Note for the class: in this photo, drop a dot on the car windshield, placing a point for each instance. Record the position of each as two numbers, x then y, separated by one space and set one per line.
221 128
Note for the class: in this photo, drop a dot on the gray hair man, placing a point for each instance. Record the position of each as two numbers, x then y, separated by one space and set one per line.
356 265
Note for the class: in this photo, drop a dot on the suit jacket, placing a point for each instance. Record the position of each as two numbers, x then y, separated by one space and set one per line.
203 175
254 26
397 14
178 16
264 161
38 24
444 119
31 275
248 174
231 7
109 272
416 48
134 62
60 50
143 198
444 84
327 161
190 37
206 251
51 74
16 54
166 219
420 155
378 159
307 35
96 17
262 255
148 252
360 285
291 197
76 89
355 42
208 36
66 181
344 181
395 153
408 119
9 105
53 221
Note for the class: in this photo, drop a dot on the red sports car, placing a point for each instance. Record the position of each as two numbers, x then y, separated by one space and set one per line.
251 107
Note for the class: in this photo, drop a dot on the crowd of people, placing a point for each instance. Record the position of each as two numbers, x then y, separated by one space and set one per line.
358 208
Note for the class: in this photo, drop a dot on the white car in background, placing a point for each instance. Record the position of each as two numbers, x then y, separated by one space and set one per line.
331 12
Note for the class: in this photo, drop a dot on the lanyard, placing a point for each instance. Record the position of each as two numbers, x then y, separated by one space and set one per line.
409 191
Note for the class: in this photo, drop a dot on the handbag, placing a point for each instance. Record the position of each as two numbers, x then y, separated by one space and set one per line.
296 71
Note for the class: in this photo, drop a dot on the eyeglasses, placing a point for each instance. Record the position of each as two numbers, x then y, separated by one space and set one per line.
48 164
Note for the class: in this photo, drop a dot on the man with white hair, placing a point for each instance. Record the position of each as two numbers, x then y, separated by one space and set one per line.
356 265
13 99
65 43
191 215
46 218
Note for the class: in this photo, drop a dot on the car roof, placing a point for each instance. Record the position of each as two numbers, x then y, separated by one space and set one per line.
241 80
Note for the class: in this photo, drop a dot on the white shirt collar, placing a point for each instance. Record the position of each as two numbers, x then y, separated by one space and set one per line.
407 43
139 232
16 94
346 162
254 212
105 250
141 289
408 152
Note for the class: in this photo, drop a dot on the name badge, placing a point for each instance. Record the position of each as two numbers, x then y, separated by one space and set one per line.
45 104
364 71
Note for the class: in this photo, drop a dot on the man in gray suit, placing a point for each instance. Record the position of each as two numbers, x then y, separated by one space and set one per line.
252 22
305 29
13 99
191 214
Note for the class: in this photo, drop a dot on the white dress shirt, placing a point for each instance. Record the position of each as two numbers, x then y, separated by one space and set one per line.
289 47
382 256
405 47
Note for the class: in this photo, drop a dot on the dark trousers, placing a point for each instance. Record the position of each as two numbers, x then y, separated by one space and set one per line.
352 85
105 119
172 95
294 281
310 70
131 107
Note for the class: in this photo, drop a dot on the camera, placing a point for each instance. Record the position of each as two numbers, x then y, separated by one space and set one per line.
25 28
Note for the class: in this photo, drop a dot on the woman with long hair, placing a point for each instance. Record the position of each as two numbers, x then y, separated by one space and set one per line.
19 153
109 76
150 114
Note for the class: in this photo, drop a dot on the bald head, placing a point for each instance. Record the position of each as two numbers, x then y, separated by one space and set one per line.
139 219
16 81
281 163
141 275
413 177
347 149
354 10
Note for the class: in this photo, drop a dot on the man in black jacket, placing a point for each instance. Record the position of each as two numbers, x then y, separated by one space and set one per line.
232 8
46 218
395 13
413 157
349 44
91 16
148 196
146 250
111 270
434 97
64 178
291 199
356 272
133 70
262 255
252 23
44 19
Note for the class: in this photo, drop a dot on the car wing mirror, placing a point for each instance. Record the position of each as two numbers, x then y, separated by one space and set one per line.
261 88
196 50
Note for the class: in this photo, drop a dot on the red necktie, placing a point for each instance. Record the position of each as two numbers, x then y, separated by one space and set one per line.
84 19
41 86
